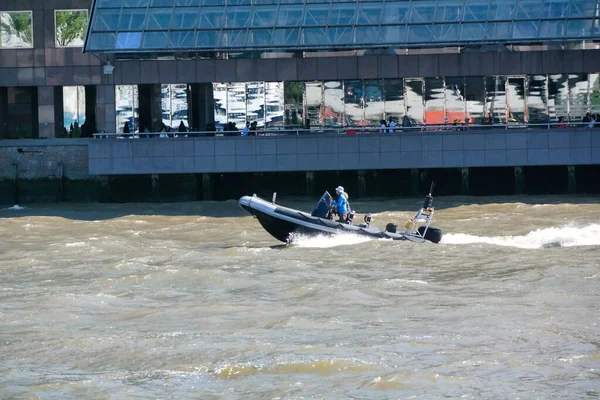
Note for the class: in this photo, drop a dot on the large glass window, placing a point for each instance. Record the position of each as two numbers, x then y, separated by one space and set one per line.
558 96
537 99
236 104
70 27
595 93
516 90
255 102
220 102
293 95
16 29
274 105
73 106
455 99
475 99
127 103
495 99
374 102
435 100
415 100
333 95
354 103
578 96
174 105
394 99
314 103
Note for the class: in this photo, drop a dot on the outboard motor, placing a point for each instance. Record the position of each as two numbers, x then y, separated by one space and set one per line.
428 202
322 210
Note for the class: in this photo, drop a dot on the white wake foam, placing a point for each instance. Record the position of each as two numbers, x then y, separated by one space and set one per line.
16 207
565 236
326 241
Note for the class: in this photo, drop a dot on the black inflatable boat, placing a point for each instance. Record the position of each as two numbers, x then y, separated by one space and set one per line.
285 223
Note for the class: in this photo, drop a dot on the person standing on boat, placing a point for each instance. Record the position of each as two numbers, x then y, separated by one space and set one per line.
341 203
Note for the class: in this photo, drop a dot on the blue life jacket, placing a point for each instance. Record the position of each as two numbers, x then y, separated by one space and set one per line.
341 203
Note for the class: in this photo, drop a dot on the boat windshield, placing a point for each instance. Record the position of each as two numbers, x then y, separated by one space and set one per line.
322 208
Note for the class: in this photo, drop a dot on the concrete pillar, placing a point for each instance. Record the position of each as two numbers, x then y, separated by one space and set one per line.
362 185
155 188
464 181
415 181
572 183
106 116
15 167
207 187
46 122
519 180
202 106
150 107
310 183
90 112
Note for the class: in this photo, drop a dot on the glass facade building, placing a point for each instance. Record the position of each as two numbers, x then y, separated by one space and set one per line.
133 26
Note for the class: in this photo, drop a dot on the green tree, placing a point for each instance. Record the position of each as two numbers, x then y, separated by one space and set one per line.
70 26
293 92
16 26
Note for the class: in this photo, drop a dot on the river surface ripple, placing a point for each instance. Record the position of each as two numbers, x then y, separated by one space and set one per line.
196 300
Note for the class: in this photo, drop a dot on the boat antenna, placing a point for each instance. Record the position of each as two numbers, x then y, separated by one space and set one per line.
431 188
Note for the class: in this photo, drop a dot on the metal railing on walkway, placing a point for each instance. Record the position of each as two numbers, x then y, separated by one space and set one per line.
352 130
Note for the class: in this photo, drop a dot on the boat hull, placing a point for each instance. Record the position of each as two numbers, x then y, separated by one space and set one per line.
285 223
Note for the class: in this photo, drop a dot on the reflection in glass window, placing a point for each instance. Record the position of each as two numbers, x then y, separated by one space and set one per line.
394 98
445 32
422 11
392 34
342 15
132 19
341 35
293 97
314 36
316 15
289 15
419 34
155 40
595 93
207 39
129 40
101 41
435 101
455 100
396 12
260 37
583 8
498 30
286 37
238 17
234 38
537 99
448 11
578 96
476 11
264 16
314 103
529 9
368 14
16 29
70 27
274 104
333 99
255 103
474 88
579 28
502 10
495 99
414 100
515 99
354 103
236 104
184 18
212 17
220 102
127 107
555 9
558 97
106 20
374 102
367 34
525 30
174 105
181 39
159 18
472 32
73 106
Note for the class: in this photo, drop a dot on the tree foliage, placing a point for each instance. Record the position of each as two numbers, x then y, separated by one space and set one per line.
16 26
70 26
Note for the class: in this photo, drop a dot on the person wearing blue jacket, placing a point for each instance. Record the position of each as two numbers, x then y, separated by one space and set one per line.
341 203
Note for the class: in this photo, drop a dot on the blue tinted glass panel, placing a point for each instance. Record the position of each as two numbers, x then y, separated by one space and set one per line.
472 32
214 2
290 15
448 10
314 36
342 15
316 15
583 8
422 11
129 40
264 16
213 17
395 13
188 3
234 38
341 35
445 33
580 28
367 34
159 18
136 3
179 39
108 3
418 34
555 9
132 19
368 14
393 34
102 41
238 2
498 30
525 30
207 39
476 11
238 17
161 3
155 40
502 10
529 9
552 29
286 37
106 20
260 37
184 18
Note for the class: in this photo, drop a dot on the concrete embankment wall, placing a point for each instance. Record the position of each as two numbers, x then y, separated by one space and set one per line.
207 168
